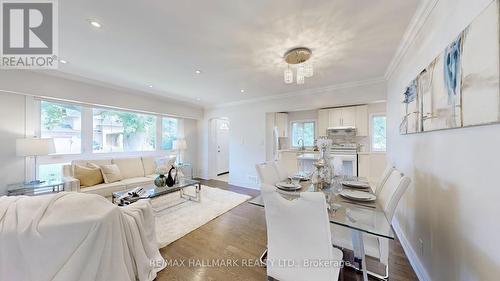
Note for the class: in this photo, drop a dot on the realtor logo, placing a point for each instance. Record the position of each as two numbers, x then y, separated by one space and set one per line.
28 34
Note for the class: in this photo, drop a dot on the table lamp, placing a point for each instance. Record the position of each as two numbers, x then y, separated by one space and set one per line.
179 146
34 147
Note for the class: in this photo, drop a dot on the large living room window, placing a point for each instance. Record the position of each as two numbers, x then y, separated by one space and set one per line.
63 122
123 131
170 128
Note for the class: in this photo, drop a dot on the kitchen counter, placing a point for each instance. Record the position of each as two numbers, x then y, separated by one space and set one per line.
370 152
308 156
298 151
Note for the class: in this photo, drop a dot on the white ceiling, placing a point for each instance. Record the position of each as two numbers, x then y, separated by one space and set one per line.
238 44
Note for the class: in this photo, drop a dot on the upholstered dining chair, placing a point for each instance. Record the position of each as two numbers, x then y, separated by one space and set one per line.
267 173
281 169
298 233
387 172
388 199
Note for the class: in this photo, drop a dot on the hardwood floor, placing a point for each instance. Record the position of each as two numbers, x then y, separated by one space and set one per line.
236 240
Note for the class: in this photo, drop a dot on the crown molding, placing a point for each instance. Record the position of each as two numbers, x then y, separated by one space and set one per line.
417 22
304 92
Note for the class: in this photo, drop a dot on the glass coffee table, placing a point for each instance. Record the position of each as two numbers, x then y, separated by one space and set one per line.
153 191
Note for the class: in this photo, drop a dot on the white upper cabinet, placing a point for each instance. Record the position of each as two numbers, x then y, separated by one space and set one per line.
282 124
335 117
323 121
352 116
362 120
349 117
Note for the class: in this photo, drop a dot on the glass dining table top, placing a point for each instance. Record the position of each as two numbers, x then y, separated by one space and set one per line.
367 217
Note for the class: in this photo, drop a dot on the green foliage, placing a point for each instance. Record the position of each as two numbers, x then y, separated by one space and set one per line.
379 132
52 115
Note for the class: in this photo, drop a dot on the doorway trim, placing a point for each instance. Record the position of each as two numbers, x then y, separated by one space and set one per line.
212 146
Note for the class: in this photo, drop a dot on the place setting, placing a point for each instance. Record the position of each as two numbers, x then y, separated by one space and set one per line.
292 184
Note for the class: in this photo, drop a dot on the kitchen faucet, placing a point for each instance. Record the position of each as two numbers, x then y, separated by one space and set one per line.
301 141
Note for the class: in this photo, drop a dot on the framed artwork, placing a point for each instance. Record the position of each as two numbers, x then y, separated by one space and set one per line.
461 87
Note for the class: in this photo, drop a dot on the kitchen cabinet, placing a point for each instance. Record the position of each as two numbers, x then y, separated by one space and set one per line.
281 123
335 117
323 121
340 117
362 127
348 117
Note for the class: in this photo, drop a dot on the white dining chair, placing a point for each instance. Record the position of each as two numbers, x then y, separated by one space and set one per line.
267 173
298 233
378 247
385 175
281 169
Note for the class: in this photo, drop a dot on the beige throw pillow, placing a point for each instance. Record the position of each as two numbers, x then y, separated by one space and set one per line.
88 176
111 173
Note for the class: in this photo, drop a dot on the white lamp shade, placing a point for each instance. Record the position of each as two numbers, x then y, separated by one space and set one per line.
179 144
34 147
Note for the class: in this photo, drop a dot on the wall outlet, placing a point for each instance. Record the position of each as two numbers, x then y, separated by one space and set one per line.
420 247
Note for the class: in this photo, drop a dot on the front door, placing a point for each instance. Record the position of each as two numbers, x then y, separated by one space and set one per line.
222 147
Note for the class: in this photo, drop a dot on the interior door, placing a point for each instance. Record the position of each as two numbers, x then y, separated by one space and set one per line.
222 147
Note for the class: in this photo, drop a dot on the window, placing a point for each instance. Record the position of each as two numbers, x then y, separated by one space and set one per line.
169 131
63 122
379 132
50 171
122 131
303 131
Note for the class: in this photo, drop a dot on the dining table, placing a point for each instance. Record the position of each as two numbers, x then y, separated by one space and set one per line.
362 218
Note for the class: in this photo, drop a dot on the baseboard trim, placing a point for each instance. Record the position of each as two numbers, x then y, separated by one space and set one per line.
412 256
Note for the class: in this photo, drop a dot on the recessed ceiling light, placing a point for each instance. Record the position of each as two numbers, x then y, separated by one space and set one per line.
242 91
197 71
63 61
95 23
150 86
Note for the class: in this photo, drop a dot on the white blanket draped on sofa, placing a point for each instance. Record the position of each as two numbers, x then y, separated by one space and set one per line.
74 236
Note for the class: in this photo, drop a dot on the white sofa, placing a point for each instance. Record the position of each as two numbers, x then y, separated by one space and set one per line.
136 171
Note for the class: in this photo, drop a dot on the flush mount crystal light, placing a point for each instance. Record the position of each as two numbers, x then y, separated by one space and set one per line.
298 57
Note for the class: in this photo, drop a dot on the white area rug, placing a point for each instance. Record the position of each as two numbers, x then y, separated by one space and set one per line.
175 222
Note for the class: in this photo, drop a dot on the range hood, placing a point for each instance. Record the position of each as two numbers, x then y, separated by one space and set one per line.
341 128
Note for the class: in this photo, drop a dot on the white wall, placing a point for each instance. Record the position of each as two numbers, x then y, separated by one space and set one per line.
452 204
12 120
38 84
248 125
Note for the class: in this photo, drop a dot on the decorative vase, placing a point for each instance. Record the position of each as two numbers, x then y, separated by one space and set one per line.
161 181
171 179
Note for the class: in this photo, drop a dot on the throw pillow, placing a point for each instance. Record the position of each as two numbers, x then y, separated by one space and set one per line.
88 176
111 173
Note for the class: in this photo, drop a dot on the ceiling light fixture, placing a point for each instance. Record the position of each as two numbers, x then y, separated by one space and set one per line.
95 23
150 86
299 57
63 61
197 71
242 91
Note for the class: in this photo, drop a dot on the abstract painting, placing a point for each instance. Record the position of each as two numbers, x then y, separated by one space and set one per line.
461 87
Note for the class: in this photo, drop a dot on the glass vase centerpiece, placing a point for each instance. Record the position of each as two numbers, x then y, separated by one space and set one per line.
323 174
161 179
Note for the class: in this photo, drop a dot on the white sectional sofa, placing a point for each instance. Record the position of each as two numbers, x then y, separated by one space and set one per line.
136 171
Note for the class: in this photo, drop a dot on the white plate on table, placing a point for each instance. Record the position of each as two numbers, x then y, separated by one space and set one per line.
358 195
288 186
356 184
